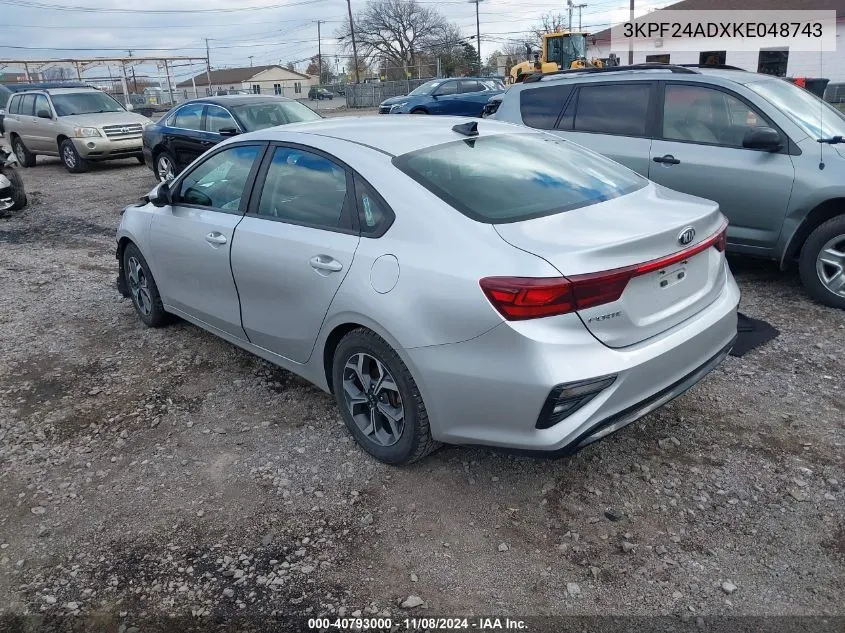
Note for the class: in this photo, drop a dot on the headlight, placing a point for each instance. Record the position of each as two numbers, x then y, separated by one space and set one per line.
86 132
396 106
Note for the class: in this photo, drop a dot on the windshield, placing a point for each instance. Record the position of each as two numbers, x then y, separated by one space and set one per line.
426 89
565 49
513 177
257 116
817 118
70 103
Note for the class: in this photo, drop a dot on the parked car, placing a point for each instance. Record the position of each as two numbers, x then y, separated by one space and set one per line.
80 125
5 93
746 140
318 94
306 245
193 127
464 97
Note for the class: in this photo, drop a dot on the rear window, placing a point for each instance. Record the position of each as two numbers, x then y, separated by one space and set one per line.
613 109
540 107
514 177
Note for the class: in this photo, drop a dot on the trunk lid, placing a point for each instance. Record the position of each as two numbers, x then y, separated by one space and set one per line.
644 227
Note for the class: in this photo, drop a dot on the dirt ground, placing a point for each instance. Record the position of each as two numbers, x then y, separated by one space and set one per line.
155 474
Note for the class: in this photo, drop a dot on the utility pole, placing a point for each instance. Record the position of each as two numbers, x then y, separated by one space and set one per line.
354 49
579 7
207 66
630 40
250 60
134 80
477 33
570 5
319 56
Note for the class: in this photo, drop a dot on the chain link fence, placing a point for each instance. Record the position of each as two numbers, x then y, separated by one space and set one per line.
370 95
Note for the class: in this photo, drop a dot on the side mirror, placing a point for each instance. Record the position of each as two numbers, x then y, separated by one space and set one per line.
160 196
228 131
44 114
762 138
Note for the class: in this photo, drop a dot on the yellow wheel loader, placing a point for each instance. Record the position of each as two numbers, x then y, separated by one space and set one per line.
561 50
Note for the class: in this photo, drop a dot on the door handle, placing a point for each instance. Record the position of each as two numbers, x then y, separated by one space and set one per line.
324 262
215 238
666 160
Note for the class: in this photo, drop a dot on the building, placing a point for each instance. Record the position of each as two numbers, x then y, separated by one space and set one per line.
15 78
781 61
265 80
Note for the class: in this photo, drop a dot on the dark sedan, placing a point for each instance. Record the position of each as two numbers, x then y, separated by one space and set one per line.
465 96
194 126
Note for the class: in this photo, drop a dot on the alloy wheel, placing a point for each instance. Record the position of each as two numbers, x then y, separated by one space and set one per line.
372 398
164 169
138 287
830 265
20 153
69 156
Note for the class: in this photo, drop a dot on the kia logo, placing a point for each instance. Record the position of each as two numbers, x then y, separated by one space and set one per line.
686 236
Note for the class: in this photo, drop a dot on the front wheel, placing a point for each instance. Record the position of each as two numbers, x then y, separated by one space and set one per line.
379 400
18 194
73 162
418 111
822 263
142 288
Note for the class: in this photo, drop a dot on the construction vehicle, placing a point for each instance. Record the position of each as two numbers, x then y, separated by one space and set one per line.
561 50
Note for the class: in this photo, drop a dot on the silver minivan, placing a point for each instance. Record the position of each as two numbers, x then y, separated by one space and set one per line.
770 153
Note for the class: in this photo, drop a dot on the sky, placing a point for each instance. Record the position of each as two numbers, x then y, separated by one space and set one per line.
245 32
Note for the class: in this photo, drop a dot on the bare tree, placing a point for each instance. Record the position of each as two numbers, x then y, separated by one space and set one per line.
395 32
549 23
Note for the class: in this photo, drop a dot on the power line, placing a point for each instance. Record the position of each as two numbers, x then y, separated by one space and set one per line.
83 9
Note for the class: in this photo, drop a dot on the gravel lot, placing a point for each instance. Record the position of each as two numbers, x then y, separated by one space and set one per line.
146 474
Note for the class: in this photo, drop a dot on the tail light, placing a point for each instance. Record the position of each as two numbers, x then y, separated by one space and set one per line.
520 298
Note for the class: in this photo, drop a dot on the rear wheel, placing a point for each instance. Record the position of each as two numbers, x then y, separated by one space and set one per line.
822 263
165 166
73 162
24 156
379 400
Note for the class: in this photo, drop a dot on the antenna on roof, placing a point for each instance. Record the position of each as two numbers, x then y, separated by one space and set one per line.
467 129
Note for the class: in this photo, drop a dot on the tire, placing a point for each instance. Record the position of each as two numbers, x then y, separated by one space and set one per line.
418 111
140 159
160 159
408 439
19 194
822 263
24 156
71 159
142 288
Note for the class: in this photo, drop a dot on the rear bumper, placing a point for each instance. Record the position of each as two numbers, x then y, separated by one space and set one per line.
490 390
101 148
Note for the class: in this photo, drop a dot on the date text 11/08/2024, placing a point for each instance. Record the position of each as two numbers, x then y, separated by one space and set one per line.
376 625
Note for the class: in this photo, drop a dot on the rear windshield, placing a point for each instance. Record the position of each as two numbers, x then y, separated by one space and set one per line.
514 177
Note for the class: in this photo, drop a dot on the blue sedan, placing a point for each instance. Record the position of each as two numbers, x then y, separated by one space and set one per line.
466 96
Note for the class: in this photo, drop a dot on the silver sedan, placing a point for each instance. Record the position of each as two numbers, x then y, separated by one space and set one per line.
448 280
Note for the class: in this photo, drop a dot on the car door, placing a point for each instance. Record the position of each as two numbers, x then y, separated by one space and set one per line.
293 249
187 139
472 95
699 151
192 237
25 118
43 132
612 118
444 100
